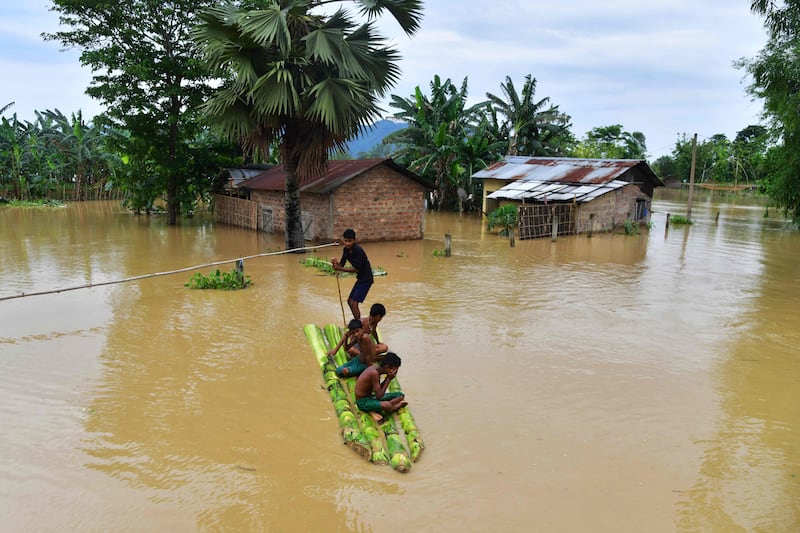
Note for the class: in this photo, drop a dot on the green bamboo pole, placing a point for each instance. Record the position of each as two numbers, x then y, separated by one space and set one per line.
333 334
370 430
409 425
352 435
398 456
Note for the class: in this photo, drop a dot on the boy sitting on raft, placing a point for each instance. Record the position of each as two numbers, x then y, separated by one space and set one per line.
359 346
371 395
370 325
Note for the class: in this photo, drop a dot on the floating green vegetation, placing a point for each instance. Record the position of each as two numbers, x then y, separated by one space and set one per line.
679 219
324 266
438 253
227 281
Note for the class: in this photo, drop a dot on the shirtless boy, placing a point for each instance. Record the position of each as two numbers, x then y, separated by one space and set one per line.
359 346
371 395
370 325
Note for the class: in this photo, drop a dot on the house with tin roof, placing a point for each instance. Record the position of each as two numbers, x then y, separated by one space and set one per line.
584 194
380 199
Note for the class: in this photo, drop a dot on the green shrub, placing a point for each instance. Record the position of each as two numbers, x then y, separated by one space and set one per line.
505 216
631 227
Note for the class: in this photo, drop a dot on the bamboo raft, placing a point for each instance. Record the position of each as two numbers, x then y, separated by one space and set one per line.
396 441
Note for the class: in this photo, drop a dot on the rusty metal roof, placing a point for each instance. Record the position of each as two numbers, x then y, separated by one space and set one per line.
564 178
339 172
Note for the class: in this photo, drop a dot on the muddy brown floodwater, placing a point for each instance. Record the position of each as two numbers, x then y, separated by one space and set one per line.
605 384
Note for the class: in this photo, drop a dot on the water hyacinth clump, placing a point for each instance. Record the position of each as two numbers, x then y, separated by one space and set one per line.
219 280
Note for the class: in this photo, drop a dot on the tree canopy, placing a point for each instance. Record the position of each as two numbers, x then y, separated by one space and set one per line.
532 128
299 77
148 74
775 73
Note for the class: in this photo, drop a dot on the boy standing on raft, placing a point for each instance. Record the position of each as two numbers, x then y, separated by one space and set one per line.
371 395
360 266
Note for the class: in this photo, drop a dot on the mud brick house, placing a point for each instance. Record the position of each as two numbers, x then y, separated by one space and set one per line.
586 194
380 199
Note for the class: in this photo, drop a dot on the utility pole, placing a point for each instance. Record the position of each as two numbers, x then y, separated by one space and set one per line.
691 179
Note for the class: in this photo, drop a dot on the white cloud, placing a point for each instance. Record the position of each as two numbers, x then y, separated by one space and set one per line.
662 67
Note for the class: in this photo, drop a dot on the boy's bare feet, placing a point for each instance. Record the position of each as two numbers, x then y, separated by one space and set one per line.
378 417
397 403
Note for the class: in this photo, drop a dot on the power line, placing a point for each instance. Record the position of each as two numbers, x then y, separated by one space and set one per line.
167 273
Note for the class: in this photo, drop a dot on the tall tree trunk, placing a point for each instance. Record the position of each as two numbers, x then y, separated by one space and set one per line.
173 202
294 224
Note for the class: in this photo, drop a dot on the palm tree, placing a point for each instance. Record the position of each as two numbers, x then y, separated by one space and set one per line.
532 128
309 80
81 145
440 127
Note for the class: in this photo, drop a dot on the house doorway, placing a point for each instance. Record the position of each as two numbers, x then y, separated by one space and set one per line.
642 209
266 220
307 222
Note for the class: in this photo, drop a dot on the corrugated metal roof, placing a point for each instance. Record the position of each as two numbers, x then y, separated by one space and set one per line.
561 179
339 172
562 169
237 175
542 191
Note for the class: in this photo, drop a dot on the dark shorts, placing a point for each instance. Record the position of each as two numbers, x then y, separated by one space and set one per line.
370 403
354 367
360 290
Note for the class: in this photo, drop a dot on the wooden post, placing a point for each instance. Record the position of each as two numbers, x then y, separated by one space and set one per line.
666 227
591 224
555 228
667 222
691 179
716 219
447 242
240 267
511 236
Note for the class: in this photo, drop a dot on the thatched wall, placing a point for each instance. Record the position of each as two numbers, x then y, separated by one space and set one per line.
236 211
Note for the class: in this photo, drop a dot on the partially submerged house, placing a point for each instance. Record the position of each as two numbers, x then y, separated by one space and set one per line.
585 194
231 178
380 199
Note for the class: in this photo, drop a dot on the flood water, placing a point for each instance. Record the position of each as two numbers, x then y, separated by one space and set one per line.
604 384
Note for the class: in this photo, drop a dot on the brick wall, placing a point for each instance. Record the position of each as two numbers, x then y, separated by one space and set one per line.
380 204
612 209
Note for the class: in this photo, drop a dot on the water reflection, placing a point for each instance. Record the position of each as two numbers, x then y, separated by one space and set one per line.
749 478
643 380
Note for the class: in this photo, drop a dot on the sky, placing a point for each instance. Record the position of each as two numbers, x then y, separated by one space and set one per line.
660 67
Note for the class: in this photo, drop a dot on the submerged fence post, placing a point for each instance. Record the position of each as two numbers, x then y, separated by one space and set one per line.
511 231
591 224
555 228
447 245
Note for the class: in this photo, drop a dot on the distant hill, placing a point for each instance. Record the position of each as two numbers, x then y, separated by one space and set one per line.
372 137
